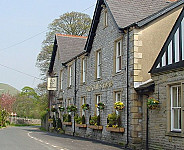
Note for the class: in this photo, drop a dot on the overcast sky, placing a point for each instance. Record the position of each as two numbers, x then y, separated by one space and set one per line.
23 25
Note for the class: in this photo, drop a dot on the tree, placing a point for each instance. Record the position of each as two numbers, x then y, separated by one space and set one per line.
30 92
73 23
6 102
29 104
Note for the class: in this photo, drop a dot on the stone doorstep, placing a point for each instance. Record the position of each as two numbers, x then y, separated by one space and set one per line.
67 123
95 127
81 125
118 129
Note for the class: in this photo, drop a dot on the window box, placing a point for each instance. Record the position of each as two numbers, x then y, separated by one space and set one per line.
95 127
81 125
67 123
113 129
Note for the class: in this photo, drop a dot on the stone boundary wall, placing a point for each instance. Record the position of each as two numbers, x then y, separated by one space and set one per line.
17 120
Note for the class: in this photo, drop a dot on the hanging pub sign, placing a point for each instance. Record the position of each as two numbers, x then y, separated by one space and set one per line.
52 83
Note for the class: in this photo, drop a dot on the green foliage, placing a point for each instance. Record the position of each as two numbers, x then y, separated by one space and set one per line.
71 108
73 23
100 106
66 118
61 109
78 119
59 124
53 109
29 104
42 129
85 107
114 119
54 122
152 103
4 116
94 120
0 116
83 119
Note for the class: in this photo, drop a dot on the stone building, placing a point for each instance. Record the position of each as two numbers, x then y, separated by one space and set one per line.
165 127
124 40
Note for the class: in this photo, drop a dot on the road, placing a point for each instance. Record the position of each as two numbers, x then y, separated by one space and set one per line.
31 138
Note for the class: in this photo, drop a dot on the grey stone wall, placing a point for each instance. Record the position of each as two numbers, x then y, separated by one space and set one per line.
17 120
104 40
159 137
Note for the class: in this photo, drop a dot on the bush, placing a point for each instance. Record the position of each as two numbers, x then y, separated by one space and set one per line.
114 120
95 120
83 119
59 124
54 122
66 118
71 108
78 119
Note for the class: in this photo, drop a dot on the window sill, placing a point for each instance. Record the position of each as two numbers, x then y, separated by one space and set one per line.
175 134
105 26
82 83
97 79
117 73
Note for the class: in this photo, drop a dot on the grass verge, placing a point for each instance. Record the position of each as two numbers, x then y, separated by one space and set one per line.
23 125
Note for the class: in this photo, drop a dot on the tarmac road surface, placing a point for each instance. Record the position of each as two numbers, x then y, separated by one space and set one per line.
31 138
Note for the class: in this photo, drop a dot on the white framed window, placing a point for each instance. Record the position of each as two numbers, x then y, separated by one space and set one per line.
83 70
117 98
61 79
105 18
118 55
99 64
98 99
69 102
69 76
175 108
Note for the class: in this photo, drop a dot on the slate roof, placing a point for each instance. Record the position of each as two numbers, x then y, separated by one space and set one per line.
128 12
69 46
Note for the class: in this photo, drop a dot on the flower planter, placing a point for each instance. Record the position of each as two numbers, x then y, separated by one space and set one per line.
118 129
50 120
67 123
95 127
81 125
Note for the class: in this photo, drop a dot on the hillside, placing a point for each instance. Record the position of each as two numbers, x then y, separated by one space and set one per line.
5 88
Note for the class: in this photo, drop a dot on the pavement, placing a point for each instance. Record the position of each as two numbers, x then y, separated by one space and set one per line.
31 138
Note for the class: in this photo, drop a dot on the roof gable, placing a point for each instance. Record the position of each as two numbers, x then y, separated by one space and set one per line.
171 55
126 13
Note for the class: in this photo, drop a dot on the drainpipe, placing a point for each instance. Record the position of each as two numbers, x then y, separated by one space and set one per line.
127 88
75 92
147 128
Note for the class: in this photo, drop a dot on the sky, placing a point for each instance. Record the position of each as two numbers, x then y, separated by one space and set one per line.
23 26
